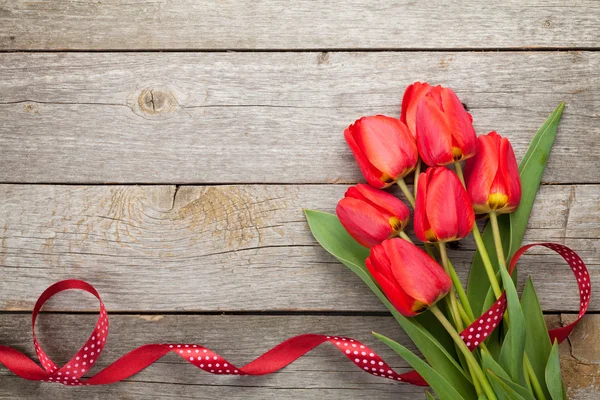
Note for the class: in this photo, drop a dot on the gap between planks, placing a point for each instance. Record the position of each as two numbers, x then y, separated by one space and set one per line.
319 50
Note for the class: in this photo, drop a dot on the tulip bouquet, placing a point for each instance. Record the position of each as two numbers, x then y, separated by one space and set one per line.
430 141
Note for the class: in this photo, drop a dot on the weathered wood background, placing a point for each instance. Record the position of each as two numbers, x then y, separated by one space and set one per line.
163 151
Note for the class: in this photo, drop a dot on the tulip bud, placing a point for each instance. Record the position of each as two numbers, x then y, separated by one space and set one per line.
370 215
492 176
445 131
383 147
411 279
412 96
443 210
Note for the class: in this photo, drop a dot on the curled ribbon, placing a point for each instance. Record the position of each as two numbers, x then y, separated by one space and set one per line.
275 359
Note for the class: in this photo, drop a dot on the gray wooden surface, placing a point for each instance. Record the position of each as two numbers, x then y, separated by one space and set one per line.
168 248
162 150
281 25
267 117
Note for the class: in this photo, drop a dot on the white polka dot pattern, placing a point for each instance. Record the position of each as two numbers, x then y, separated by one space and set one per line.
481 328
70 373
361 355
583 282
272 361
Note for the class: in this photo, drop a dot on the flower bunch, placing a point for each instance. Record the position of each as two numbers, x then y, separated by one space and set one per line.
456 175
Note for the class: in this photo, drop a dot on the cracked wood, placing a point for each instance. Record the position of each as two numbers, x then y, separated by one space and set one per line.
236 248
267 117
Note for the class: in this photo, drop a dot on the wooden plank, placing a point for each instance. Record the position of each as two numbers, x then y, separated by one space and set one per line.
580 356
323 372
218 248
267 117
277 24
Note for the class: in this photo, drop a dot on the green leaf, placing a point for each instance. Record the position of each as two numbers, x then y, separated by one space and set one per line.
553 377
442 388
478 282
513 348
507 389
429 395
512 226
488 362
493 341
531 170
433 326
537 344
330 234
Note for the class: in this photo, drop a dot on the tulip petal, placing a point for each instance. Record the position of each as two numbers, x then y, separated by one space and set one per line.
418 274
507 180
513 173
448 206
363 222
412 95
388 204
379 267
434 139
421 223
371 174
465 210
460 122
481 170
387 144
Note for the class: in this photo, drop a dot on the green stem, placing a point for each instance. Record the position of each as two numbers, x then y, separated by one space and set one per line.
487 263
476 383
529 372
487 388
429 250
404 236
527 380
485 257
451 295
459 172
502 261
458 286
497 239
464 316
416 178
406 192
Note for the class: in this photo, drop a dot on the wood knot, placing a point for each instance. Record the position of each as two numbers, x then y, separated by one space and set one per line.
157 101
323 58
31 108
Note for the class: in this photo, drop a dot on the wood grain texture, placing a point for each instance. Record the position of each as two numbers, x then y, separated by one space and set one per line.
244 247
580 372
278 24
267 117
323 372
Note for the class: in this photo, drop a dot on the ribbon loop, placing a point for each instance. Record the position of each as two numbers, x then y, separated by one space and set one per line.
271 361
583 282
73 370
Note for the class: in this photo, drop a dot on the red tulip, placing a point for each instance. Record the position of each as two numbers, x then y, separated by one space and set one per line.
444 128
443 210
370 215
412 96
410 278
383 148
492 176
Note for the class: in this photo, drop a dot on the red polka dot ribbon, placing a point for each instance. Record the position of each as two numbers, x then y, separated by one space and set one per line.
275 359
